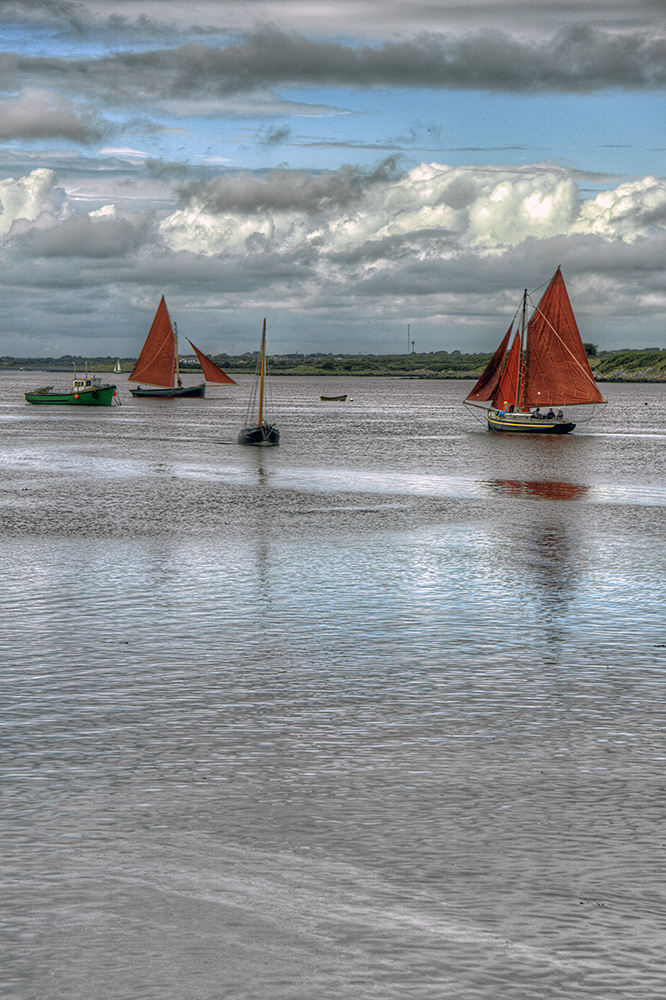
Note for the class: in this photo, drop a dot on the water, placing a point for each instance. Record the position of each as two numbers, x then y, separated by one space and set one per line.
375 714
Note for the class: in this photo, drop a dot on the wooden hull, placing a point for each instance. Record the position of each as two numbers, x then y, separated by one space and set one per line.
102 396
175 393
333 399
262 436
525 423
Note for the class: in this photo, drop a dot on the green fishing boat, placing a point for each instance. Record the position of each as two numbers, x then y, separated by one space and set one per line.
86 391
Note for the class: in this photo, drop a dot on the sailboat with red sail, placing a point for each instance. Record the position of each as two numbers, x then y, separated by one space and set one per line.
159 365
539 366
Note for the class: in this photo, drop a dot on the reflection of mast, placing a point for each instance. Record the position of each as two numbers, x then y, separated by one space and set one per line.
262 532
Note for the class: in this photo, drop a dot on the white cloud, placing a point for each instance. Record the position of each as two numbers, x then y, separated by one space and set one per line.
628 212
123 152
31 198
485 208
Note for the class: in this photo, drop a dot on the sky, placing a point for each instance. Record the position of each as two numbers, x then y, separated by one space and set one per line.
363 173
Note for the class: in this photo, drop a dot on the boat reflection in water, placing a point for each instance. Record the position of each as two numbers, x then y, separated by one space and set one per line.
538 489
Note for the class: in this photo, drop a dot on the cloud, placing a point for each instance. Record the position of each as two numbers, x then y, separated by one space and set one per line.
41 114
627 212
284 189
578 59
94 236
143 19
451 247
489 208
30 201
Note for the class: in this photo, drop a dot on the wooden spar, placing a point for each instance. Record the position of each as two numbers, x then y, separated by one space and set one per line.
263 370
523 329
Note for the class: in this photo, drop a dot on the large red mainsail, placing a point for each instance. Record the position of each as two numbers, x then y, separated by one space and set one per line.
484 390
157 361
557 372
211 371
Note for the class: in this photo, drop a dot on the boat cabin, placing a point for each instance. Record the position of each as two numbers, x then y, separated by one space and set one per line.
89 382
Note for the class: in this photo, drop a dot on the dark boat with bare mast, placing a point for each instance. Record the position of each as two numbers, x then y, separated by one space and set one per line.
159 366
261 433
544 366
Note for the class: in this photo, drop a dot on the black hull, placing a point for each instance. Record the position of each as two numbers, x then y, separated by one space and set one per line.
262 436
525 423
332 399
191 390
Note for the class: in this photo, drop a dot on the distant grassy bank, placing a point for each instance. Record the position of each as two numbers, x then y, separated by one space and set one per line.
643 365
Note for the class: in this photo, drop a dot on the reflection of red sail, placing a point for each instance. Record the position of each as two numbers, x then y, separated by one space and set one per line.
557 371
157 361
211 371
507 390
539 489
484 390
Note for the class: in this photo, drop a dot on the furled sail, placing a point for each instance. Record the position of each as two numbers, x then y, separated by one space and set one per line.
557 372
211 371
157 361
484 389
507 389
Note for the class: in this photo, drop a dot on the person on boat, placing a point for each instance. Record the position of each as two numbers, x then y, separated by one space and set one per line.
551 414
560 415
536 412
511 409
180 382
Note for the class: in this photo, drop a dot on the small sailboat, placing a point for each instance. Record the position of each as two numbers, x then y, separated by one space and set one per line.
262 433
544 366
116 368
158 363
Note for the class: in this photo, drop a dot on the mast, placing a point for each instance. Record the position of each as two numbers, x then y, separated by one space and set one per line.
523 338
175 344
263 370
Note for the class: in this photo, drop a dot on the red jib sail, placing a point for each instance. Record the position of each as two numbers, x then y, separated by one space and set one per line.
507 389
157 361
211 371
484 389
557 372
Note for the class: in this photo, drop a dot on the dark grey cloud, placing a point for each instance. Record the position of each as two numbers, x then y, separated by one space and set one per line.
276 136
578 59
85 236
285 190
38 114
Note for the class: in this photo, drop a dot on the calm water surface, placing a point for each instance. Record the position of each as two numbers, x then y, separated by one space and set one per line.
375 714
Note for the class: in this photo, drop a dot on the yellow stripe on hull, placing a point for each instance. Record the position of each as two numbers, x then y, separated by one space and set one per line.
526 424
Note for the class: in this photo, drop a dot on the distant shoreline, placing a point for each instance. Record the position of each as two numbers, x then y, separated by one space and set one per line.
628 365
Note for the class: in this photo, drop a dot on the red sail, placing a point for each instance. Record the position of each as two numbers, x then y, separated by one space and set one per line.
157 361
507 390
211 372
557 372
484 389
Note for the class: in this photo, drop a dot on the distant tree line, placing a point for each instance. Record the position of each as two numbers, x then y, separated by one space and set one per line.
642 364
